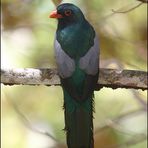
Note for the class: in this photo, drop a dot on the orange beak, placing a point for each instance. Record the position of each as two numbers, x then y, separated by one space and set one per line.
54 14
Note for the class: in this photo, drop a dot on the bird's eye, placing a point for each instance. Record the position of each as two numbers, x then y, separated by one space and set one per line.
67 12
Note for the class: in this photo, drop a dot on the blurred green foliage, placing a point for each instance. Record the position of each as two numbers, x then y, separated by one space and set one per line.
27 41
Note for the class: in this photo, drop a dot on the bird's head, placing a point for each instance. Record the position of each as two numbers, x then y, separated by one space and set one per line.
67 13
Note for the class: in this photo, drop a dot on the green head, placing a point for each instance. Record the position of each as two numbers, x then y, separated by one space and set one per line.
67 14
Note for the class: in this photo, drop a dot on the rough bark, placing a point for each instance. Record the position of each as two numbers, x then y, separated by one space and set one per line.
112 78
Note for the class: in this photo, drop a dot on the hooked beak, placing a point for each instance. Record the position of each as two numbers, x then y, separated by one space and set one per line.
54 14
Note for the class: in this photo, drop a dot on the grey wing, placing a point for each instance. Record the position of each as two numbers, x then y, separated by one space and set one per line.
65 64
90 62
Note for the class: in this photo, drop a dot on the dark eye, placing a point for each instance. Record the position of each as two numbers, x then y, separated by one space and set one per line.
67 12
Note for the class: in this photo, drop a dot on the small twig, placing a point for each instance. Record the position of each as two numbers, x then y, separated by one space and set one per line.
56 2
113 123
119 128
117 119
139 99
126 11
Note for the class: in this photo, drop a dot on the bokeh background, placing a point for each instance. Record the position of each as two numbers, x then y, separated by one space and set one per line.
27 36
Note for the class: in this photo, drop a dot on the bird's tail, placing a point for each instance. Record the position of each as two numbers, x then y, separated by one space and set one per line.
79 122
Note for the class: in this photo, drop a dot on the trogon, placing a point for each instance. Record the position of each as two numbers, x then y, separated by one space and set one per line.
77 56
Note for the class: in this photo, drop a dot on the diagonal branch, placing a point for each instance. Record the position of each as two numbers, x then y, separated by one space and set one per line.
114 124
126 11
112 78
144 1
27 122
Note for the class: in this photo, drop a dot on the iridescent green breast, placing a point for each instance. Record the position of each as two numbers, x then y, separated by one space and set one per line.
76 39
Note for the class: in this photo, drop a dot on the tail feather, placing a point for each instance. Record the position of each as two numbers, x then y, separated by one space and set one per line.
79 123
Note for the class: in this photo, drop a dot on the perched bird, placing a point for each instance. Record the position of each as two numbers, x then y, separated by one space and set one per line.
77 56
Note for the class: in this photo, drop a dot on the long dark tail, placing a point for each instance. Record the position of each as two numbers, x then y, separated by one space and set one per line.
79 123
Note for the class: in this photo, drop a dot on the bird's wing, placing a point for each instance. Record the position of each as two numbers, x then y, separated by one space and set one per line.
90 62
66 65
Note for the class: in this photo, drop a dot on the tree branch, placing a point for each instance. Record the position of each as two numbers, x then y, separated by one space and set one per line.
112 122
144 1
112 78
28 123
126 11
